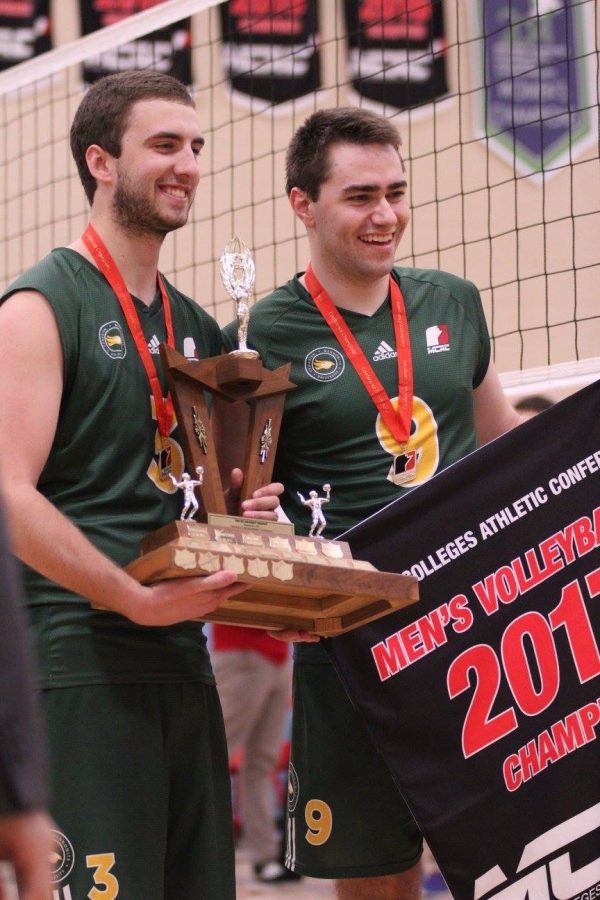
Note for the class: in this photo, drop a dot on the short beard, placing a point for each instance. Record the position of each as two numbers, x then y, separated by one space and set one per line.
135 214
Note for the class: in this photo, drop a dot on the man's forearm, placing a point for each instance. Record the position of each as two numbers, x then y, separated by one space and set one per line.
52 545
46 540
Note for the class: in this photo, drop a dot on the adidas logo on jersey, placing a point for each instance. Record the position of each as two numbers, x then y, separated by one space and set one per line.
154 345
384 351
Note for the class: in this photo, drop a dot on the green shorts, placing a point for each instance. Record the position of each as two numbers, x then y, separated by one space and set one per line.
140 793
346 818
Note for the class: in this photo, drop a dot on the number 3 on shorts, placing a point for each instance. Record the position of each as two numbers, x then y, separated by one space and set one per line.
109 886
319 820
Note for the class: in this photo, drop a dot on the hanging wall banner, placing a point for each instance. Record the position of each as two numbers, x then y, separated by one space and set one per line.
270 49
536 75
24 30
484 697
397 50
166 50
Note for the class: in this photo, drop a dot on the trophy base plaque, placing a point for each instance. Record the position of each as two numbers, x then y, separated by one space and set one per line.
293 582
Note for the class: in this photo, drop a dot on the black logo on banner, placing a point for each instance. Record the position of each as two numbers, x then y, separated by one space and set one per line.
24 31
165 50
270 48
397 50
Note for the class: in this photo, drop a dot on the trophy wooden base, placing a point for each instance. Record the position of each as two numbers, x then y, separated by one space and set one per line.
294 582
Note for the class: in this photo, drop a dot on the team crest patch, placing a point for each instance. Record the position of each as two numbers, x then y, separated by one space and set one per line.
112 340
62 857
293 789
324 364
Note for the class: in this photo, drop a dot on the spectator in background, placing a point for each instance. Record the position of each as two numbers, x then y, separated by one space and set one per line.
532 405
253 679
25 833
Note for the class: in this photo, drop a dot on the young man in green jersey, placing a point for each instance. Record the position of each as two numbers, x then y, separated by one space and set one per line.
89 442
394 382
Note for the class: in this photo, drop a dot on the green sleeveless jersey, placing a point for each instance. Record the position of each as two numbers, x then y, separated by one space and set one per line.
331 430
108 473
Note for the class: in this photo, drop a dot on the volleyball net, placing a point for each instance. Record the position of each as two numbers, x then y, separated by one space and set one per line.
499 120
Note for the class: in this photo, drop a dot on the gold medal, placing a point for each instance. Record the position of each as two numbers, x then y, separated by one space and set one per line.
404 466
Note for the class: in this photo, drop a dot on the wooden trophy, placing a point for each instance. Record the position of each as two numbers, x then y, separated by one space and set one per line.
296 582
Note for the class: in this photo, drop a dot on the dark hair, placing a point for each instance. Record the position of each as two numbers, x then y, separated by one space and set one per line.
307 163
103 113
534 403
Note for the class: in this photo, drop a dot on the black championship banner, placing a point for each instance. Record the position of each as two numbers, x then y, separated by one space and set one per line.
397 50
24 30
484 697
270 48
165 50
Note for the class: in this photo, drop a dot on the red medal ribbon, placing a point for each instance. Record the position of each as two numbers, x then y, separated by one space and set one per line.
398 421
101 256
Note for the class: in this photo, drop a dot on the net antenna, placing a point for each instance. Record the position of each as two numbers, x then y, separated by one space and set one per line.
525 231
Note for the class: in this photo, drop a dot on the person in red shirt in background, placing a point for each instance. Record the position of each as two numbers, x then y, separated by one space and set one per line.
253 679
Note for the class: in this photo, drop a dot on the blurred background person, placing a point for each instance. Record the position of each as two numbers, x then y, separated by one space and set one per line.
253 679
532 405
25 829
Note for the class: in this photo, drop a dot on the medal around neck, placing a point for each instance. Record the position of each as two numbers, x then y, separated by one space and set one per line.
304 583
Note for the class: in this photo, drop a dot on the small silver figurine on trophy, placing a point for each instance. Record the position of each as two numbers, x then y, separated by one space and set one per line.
187 485
238 273
315 504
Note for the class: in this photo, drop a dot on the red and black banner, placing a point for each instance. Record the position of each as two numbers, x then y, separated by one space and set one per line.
397 50
24 30
484 697
270 48
165 50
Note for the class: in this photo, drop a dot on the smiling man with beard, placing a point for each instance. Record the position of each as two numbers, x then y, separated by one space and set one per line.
139 772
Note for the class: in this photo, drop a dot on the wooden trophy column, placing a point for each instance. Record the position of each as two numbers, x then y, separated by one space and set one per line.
245 394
